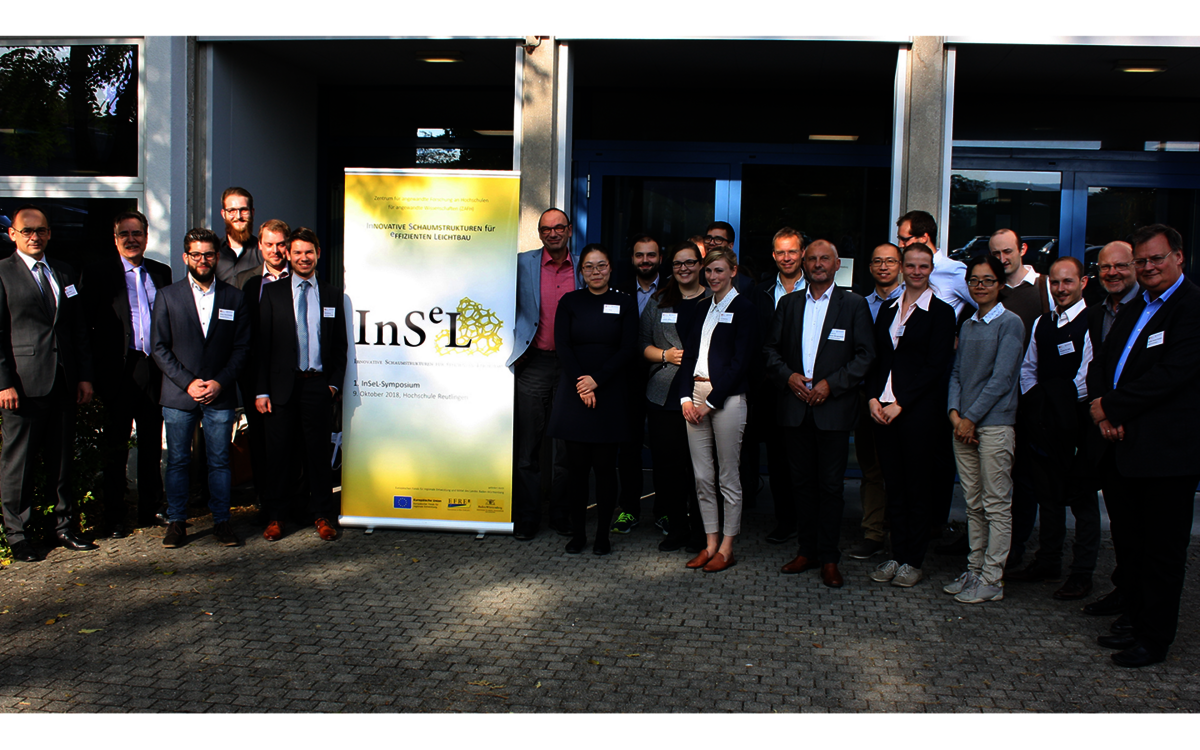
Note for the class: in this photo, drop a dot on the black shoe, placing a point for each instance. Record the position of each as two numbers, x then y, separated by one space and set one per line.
176 535
1078 586
576 545
1119 642
223 533
23 551
1034 573
1139 655
1109 604
672 544
66 539
781 534
866 549
1121 626
696 544
601 546
117 531
563 528
960 546
524 533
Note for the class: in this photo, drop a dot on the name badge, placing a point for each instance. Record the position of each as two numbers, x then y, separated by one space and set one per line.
837 334
1155 339
70 291
899 333
612 309
1066 348
225 314
670 317
725 318
328 311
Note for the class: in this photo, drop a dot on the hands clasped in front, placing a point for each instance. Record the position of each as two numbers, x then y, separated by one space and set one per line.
812 395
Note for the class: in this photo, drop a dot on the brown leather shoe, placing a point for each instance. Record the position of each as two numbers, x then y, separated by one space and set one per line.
799 565
274 532
700 560
719 562
326 530
831 576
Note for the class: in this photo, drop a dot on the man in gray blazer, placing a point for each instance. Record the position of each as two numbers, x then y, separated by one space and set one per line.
45 370
543 277
200 341
240 250
819 349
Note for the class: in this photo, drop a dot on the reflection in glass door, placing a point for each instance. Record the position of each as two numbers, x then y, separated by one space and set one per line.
670 209
1113 213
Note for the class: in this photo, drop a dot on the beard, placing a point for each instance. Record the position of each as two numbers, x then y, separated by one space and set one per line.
648 275
233 234
205 278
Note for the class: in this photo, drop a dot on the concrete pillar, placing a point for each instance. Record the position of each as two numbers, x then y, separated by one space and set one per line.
924 109
544 130
167 129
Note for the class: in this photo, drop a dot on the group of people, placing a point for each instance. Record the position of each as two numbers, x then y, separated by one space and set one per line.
986 369
173 355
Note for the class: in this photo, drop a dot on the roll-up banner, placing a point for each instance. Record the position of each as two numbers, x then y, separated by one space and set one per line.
431 277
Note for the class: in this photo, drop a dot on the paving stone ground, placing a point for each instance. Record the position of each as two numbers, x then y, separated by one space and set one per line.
404 621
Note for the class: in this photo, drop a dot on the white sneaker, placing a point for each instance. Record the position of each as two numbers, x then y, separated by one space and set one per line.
907 576
981 592
958 584
885 571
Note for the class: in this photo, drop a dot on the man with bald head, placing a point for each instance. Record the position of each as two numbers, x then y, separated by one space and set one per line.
819 349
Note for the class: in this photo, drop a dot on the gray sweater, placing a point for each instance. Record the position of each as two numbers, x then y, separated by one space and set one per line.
987 369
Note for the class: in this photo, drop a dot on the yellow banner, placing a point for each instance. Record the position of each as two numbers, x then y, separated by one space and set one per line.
430 268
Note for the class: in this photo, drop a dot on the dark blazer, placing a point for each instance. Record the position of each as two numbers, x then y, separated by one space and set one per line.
843 364
30 342
278 345
1155 400
245 277
184 353
920 363
106 301
730 350
231 266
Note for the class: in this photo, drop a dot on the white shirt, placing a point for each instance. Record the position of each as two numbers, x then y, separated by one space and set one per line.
902 316
711 320
814 321
781 291
31 263
1030 363
204 301
949 282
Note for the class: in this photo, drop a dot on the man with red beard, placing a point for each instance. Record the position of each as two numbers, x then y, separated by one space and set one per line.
239 251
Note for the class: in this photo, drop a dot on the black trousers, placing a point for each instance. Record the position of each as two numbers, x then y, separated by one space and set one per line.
1024 499
629 460
761 427
674 480
908 449
298 433
1151 529
44 425
537 380
818 462
1058 486
129 399
582 459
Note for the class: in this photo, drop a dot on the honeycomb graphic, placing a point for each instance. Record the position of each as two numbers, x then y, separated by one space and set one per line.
476 324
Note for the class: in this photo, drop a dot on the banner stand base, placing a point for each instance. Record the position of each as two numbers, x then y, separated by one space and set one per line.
370 523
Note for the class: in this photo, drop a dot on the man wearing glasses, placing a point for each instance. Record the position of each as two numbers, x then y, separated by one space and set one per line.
947 279
543 277
720 235
200 341
1144 381
45 370
240 250
119 294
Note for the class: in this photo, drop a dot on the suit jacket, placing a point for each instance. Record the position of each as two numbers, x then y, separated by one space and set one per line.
231 265
1155 399
729 350
842 363
529 298
278 344
920 363
246 276
30 342
106 301
184 353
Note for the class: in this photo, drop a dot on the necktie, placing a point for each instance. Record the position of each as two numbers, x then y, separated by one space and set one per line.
47 290
302 323
143 316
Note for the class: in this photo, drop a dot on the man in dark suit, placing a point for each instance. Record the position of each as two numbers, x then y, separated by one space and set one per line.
272 241
119 295
765 394
239 251
1144 381
45 370
301 368
200 341
820 347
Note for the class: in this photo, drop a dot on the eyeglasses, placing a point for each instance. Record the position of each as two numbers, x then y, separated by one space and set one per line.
199 256
689 263
1105 268
975 282
713 239
884 263
556 229
28 233
595 267
1154 260
135 235
238 211
902 239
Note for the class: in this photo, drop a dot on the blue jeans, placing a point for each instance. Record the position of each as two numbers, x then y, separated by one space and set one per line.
218 431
